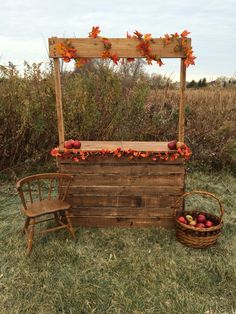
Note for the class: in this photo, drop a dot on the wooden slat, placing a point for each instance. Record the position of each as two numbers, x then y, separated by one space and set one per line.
123 47
126 190
120 161
98 221
127 212
124 145
122 169
60 121
111 180
182 100
137 201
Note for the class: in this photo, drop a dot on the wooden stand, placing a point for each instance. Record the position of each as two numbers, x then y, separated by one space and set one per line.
107 191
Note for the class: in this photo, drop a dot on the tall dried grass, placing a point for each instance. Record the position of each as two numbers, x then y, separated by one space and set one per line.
103 104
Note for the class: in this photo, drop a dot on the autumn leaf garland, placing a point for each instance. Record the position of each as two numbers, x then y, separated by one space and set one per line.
68 52
78 155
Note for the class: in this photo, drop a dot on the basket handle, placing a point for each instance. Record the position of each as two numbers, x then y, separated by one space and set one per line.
207 194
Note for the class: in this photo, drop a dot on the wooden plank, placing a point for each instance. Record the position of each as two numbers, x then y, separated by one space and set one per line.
111 180
97 221
60 121
123 47
119 161
125 145
127 212
137 201
182 100
135 169
126 190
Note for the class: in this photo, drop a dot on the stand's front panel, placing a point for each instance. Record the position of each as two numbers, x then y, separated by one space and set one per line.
120 192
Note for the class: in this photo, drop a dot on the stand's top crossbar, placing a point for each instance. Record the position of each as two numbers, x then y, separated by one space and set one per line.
122 47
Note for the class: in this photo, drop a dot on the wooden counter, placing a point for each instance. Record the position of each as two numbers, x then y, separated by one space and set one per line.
110 191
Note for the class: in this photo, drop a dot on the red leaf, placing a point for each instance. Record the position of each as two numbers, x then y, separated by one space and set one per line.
94 32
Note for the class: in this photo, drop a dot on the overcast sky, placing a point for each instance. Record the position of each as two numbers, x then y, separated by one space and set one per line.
26 25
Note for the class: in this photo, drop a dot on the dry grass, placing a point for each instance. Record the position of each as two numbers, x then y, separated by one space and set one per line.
100 104
118 270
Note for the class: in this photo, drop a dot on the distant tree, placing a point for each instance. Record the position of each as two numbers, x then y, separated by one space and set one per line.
204 82
191 84
199 84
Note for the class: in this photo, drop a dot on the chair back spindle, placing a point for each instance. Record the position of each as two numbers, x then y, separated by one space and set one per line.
40 187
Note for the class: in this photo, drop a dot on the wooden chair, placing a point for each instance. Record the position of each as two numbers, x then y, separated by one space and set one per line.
44 194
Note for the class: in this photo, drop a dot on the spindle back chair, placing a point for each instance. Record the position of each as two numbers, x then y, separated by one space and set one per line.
45 194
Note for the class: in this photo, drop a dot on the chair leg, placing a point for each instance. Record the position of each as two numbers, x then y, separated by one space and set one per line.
30 234
27 220
69 225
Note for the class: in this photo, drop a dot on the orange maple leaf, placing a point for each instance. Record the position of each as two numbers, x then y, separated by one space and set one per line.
138 35
106 43
54 152
81 61
106 54
185 33
167 39
115 58
159 62
94 32
148 37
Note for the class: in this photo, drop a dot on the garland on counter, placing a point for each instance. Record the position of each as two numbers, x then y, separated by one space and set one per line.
78 155
68 52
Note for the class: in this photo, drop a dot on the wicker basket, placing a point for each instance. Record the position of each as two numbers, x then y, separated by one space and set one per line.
199 237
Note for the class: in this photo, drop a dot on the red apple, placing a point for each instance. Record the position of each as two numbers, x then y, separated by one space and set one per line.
77 144
209 224
200 225
182 220
172 144
201 218
69 144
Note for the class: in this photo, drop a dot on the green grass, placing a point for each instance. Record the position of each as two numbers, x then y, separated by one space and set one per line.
118 270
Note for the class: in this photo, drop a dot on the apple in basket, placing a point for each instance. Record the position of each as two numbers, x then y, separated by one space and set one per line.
209 224
77 144
193 223
200 225
201 218
182 220
189 218
69 144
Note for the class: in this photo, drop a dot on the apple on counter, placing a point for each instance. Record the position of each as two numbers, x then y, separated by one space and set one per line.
172 145
69 144
72 144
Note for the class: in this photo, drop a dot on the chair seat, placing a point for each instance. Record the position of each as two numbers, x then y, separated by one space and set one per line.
45 207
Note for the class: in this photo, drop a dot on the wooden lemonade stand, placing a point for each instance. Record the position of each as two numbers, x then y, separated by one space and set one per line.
111 191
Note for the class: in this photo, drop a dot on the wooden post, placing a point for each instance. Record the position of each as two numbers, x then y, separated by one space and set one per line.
60 120
182 100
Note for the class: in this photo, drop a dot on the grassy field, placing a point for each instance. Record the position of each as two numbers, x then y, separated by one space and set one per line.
118 270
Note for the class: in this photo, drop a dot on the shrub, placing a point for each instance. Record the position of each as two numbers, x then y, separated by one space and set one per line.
101 103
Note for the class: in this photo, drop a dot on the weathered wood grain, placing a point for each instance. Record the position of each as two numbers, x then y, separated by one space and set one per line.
127 190
123 180
125 145
123 47
130 212
136 201
99 221
120 193
124 169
